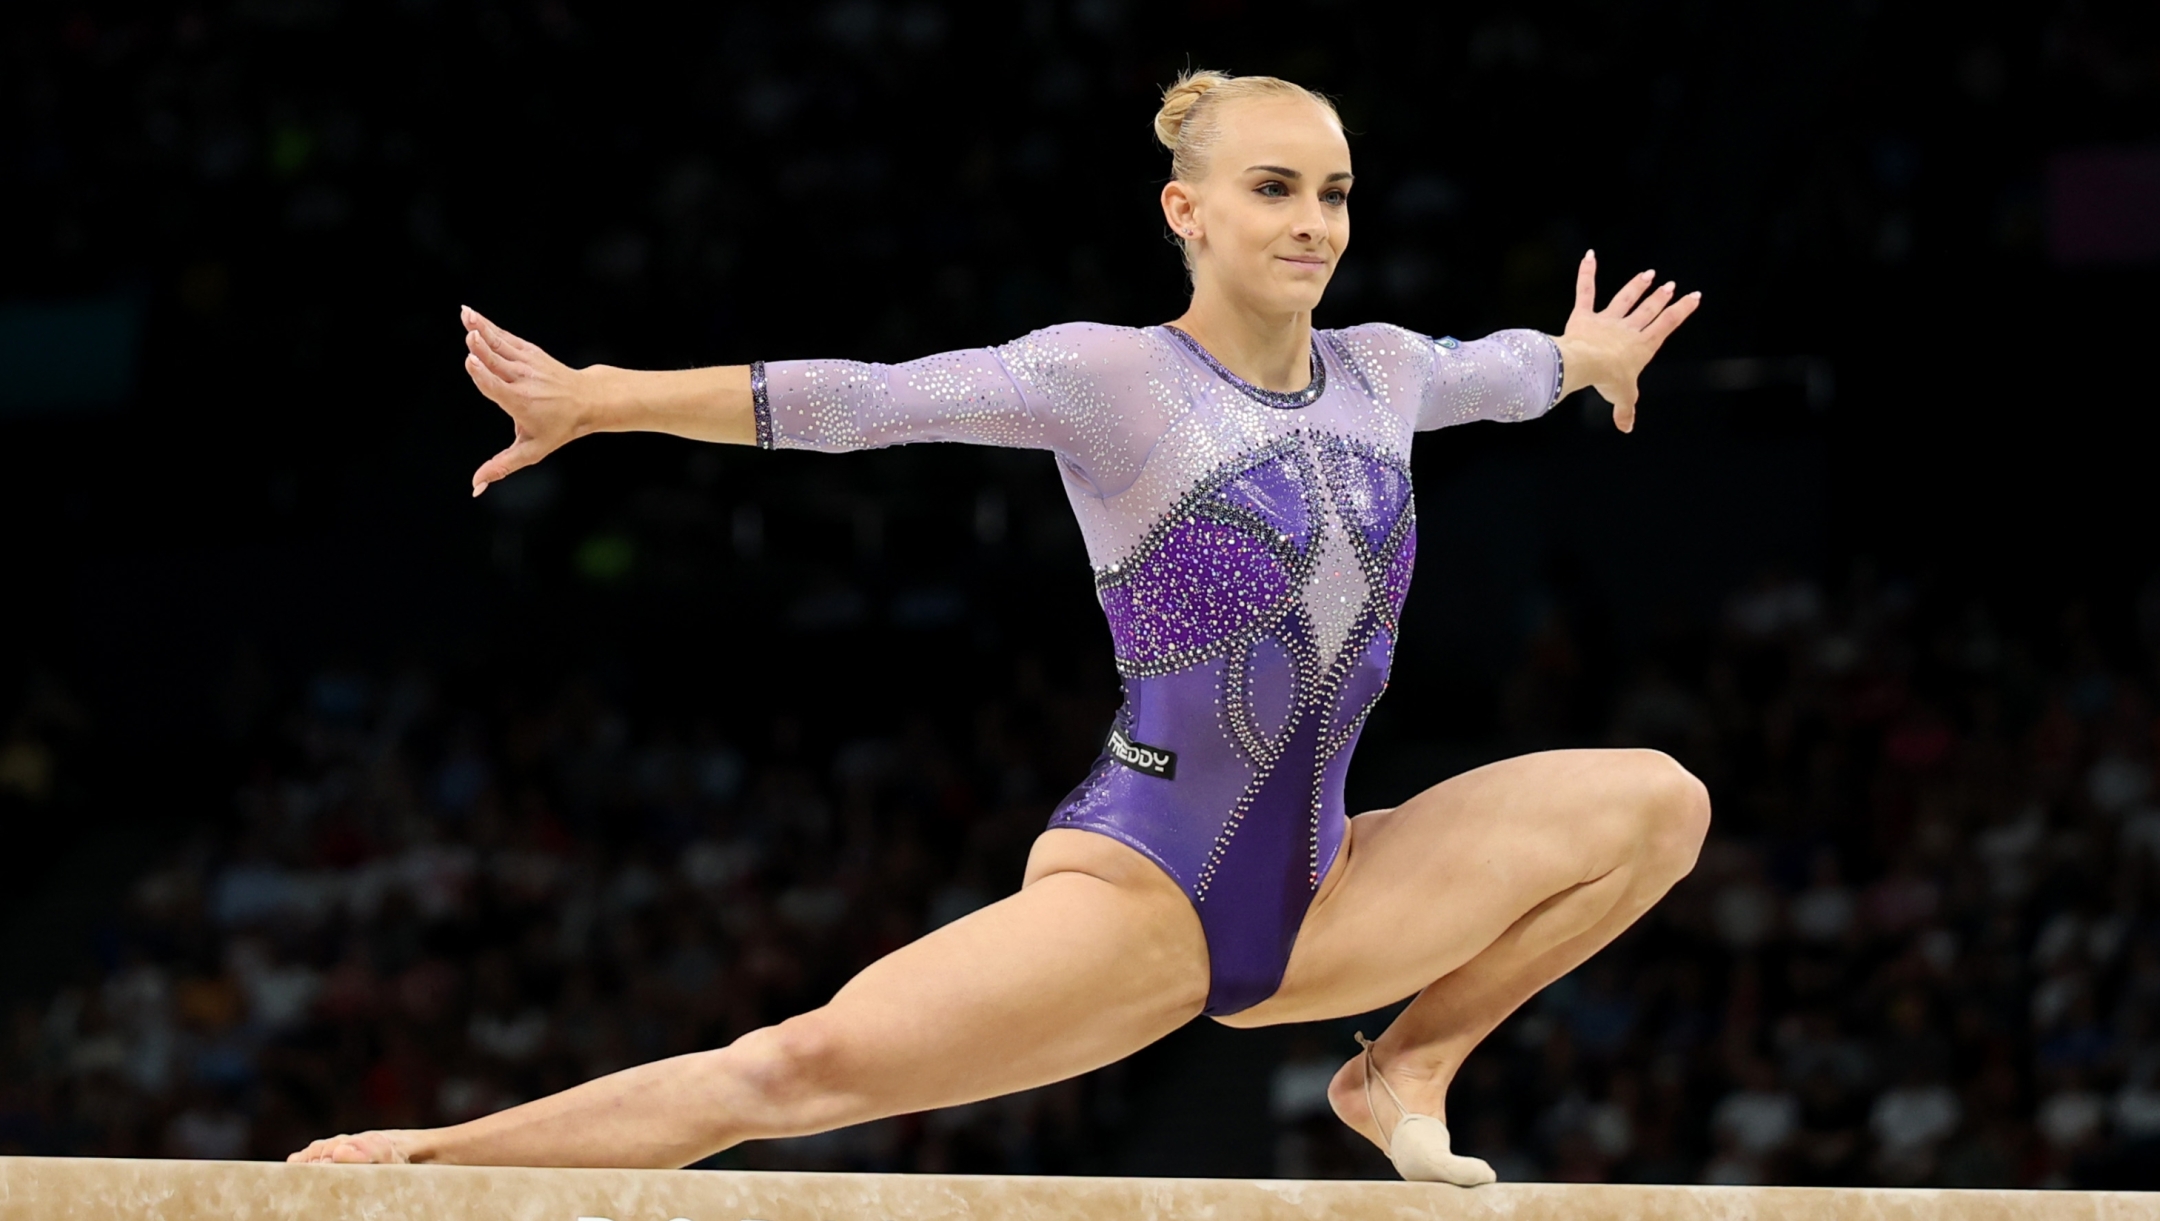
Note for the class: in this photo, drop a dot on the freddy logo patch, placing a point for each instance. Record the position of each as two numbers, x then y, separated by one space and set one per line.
1153 760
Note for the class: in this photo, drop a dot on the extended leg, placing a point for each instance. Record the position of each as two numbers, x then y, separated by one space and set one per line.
1476 894
1098 955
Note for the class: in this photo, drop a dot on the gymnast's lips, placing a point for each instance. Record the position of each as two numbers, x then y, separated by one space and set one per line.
1306 263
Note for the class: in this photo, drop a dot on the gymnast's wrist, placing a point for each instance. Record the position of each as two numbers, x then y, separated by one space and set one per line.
607 400
1575 365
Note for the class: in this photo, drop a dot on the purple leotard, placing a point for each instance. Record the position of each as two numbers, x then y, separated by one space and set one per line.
1251 550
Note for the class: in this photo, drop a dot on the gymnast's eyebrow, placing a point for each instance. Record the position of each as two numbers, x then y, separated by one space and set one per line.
1286 172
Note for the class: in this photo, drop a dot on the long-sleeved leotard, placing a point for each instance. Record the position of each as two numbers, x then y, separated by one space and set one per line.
1251 551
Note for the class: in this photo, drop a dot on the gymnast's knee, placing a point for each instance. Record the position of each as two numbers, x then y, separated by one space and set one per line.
794 1068
1674 808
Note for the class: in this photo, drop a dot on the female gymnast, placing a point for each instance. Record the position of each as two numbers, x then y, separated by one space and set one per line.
1243 485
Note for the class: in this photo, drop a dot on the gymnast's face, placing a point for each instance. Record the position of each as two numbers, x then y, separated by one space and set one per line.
1271 214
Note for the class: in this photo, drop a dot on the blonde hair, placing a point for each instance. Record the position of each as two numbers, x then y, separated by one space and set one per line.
1187 123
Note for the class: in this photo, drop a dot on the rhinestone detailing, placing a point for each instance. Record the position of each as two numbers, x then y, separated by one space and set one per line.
1278 585
1335 595
1251 563
1216 570
761 405
1273 398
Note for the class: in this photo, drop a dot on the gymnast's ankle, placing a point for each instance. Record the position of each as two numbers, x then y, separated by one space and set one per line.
1420 1082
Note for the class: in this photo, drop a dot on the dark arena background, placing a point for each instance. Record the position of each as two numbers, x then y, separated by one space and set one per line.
335 799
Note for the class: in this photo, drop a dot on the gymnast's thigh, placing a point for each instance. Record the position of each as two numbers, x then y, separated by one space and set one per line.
1097 956
1420 889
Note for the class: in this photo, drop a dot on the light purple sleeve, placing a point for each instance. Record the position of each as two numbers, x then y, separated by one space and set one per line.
1058 389
1508 375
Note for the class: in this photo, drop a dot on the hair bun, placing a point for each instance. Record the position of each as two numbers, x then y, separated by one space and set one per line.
1178 101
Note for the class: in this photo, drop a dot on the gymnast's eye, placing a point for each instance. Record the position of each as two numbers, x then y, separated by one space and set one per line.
1336 196
1273 189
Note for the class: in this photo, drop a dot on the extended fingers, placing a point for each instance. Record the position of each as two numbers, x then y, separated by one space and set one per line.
1586 283
1629 293
486 379
502 341
1670 319
1646 311
497 361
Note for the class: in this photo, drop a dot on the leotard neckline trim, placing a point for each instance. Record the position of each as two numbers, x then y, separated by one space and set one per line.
1285 399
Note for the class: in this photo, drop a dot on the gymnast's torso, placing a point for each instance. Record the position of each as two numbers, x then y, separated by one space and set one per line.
1251 549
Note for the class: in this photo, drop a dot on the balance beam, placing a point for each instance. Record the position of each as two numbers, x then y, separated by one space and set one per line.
108 1189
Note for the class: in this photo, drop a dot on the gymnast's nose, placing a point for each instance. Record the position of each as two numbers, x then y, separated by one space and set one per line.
1311 224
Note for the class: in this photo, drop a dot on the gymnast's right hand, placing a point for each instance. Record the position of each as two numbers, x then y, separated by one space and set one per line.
550 403
382 1148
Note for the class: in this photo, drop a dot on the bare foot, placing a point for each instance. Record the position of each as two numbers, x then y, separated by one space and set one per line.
1421 1084
381 1148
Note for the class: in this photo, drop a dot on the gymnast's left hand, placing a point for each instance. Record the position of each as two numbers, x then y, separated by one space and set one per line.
379 1148
1606 349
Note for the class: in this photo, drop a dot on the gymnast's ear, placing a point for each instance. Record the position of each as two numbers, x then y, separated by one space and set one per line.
1178 206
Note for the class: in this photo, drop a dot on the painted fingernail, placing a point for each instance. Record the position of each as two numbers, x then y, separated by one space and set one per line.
1589 254
1669 286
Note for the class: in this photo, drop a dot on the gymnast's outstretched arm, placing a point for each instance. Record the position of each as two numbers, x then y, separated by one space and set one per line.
1047 391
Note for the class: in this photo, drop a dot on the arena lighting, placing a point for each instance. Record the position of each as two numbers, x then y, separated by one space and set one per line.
109 1189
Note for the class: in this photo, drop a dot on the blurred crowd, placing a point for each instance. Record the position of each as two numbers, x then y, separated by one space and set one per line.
424 907
1919 948
285 179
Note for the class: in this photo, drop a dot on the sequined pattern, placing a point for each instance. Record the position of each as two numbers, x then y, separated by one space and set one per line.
1314 388
760 405
1251 551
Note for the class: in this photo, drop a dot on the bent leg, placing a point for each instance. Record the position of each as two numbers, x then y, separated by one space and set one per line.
1097 956
1478 893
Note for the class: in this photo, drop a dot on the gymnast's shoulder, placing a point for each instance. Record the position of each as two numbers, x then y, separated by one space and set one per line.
1089 350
